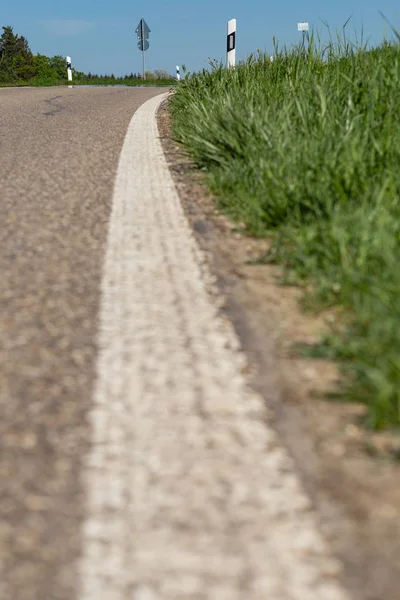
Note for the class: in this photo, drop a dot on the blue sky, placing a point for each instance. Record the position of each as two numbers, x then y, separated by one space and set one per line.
99 35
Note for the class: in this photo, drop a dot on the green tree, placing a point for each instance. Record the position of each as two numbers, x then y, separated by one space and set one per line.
58 64
17 62
50 69
43 67
161 74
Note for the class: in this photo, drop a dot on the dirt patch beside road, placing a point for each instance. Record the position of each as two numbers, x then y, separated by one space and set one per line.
348 472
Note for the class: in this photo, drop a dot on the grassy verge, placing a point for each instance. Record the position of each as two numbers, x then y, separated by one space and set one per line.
307 150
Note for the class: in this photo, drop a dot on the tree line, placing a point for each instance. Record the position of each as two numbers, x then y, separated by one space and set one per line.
18 65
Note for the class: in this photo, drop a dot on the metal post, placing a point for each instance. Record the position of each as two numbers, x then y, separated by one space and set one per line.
143 60
303 27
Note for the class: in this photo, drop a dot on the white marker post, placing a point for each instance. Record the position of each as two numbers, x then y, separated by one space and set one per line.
303 27
231 44
69 69
178 73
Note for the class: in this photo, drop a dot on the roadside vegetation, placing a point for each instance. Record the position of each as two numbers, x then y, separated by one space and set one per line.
19 67
306 150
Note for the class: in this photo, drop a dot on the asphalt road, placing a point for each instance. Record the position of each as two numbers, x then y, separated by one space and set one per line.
136 461
59 151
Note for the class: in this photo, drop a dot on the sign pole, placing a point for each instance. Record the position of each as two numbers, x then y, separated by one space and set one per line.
143 31
303 27
143 60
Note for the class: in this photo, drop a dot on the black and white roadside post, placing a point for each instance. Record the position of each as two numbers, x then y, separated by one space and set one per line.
178 73
142 32
69 68
231 44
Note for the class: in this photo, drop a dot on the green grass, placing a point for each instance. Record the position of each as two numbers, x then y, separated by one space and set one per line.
46 82
306 150
125 81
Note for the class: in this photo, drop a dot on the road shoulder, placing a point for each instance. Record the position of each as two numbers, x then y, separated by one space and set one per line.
356 494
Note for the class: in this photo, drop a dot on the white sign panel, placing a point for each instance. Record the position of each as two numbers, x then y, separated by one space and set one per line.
302 26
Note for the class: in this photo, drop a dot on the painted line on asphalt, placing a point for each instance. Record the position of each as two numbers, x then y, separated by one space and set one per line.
189 492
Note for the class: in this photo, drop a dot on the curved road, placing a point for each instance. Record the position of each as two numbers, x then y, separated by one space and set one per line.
135 464
59 152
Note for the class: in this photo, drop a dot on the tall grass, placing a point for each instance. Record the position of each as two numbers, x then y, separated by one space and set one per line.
306 149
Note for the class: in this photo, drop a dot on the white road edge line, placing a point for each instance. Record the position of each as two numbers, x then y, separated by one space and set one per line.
189 492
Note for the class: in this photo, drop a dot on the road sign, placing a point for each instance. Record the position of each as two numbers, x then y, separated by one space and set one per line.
143 31
143 45
302 26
